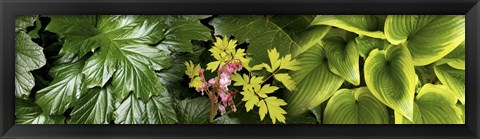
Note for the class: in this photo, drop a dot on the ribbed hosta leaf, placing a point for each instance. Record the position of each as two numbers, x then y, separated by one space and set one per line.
193 111
367 25
453 79
130 111
160 111
428 37
342 57
263 35
462 107
315 82
366 44
95 107
27 112
28 56
456 58
433 105
357 106
121 51
390 76
65 89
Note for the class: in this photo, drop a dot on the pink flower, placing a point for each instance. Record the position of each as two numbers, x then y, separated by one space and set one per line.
225 81
211 82
232 104
221 108
223 97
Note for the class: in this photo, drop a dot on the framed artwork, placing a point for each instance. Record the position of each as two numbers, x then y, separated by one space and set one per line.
283 69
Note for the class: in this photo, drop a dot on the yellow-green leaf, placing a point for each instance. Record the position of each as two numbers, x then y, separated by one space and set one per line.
453 79
428 37
356 106
286 80
275 110
367 25
266 89
390 76
315 82
433 105
262 109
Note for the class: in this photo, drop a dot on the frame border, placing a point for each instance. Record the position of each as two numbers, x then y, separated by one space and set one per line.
10 8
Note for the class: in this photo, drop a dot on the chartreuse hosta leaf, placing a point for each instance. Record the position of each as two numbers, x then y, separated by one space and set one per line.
390 76
428 37
433 105
121 51
343 57
96 107
366 44
27 112
367 25
453 79
356 106
65 89
193 111
262 35
28 56
456 58
315 82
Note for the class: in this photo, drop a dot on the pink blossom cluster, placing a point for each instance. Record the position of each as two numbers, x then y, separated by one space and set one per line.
220 85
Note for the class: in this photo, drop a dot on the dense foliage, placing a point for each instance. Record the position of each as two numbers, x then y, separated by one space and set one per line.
304 69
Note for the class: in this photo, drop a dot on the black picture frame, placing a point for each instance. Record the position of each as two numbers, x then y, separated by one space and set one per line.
10 8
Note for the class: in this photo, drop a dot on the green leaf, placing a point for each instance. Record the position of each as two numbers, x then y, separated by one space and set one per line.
357 106
343 58
121 51
27 112
34 33
262 35
65 89
225 119
366 44
453 79
390 76
193 111
315 82
428 37
22 22
367 25
299 29
286 80
95 107
160 111
433 105
130 111
28 56
179 31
